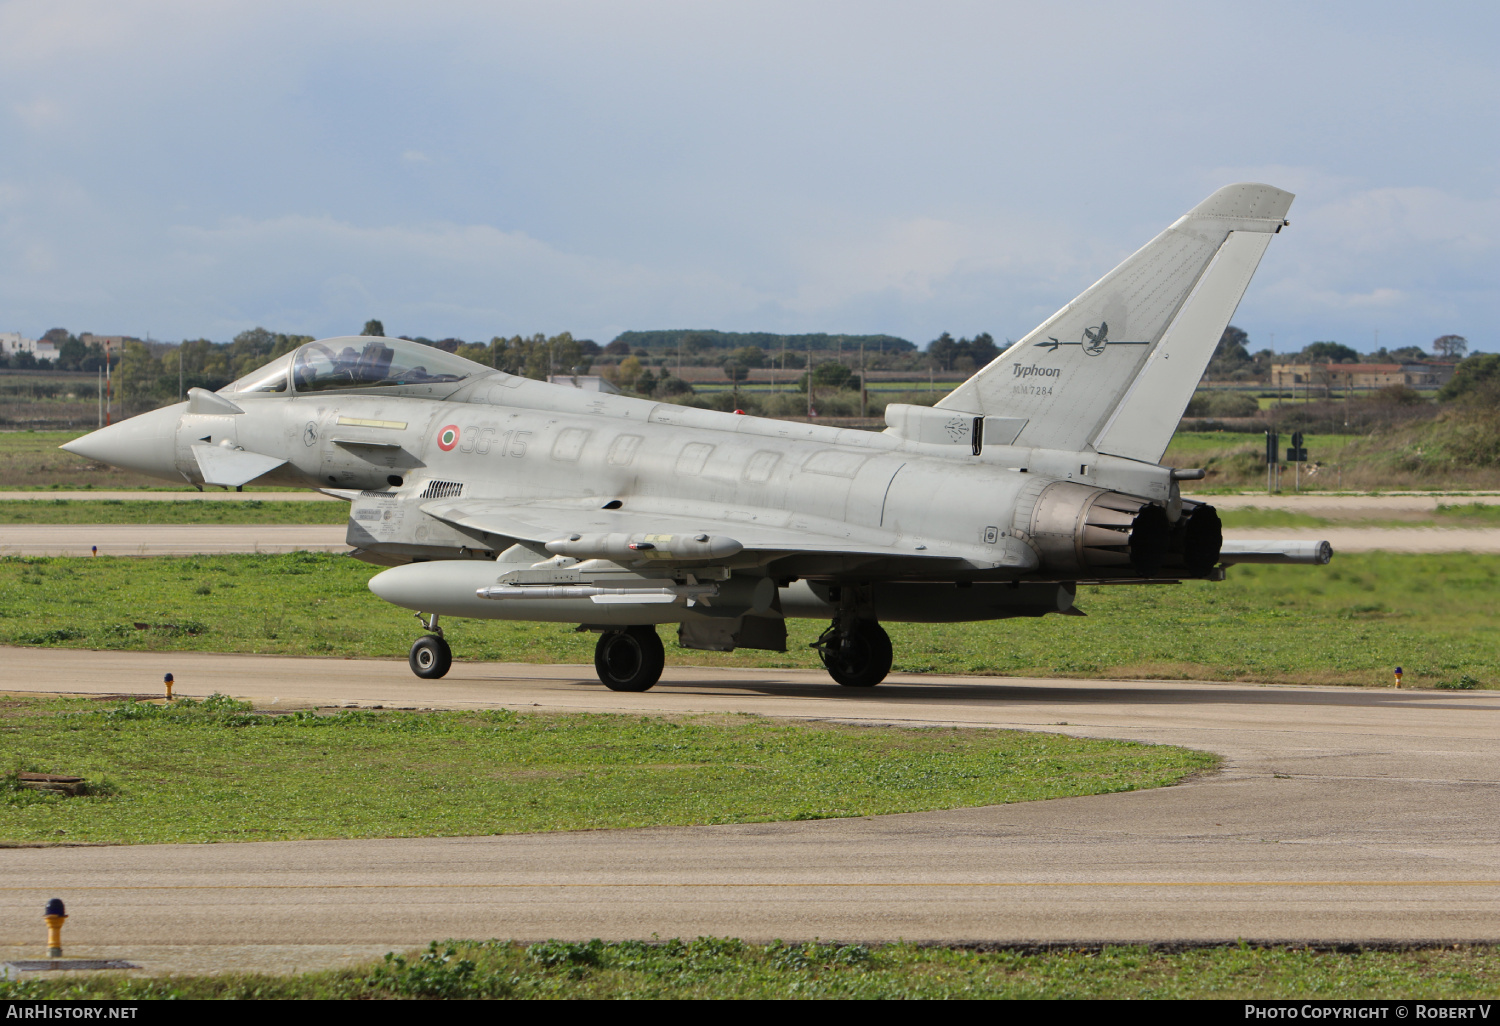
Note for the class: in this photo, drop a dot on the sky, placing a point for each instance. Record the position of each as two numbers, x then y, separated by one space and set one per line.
472 169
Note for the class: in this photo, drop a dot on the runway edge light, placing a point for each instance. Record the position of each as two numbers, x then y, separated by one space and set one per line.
54 916
1398 676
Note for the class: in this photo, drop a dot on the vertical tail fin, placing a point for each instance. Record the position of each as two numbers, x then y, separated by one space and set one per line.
1114 369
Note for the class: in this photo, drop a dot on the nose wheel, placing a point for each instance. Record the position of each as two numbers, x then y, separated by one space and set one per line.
430 656
856 653
629 660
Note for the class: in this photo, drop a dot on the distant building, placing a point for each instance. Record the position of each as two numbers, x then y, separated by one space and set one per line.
15 342
587 382
1326 376
111 344
12 342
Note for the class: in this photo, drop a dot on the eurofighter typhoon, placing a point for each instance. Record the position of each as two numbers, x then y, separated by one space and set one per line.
494 496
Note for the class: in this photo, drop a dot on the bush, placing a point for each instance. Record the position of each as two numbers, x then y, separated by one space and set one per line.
1464 683
435 974
1217 403
1474 379
52 637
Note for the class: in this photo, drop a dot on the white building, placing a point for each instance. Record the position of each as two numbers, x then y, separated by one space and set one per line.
12 342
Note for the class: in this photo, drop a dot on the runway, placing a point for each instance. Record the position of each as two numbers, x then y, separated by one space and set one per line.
167 539
187 495
1340 815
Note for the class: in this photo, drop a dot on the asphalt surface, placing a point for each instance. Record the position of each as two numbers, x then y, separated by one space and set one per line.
1346 505
167 539
1340 815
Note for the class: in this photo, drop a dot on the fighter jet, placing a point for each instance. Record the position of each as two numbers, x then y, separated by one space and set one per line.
493 496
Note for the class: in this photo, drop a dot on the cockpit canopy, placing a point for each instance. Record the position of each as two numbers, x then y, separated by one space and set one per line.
358 362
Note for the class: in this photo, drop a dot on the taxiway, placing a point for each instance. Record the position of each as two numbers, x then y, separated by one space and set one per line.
1339 815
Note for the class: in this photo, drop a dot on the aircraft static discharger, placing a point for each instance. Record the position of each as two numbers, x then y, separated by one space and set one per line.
494 496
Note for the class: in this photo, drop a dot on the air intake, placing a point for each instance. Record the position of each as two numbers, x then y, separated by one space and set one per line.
442 490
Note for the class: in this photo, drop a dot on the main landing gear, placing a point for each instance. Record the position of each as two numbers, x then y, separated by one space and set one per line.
630 659
430 656
856 653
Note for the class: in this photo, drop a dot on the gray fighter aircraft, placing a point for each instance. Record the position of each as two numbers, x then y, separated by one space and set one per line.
494 496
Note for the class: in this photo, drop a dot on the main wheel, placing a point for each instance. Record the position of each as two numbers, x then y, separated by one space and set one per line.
430 657
859 658
629 660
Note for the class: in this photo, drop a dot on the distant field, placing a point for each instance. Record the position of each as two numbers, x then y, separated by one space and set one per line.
1348 623
1351 462
32 459
125 511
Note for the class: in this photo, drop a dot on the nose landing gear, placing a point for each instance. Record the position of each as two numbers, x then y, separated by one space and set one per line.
856 653
629 660
430 656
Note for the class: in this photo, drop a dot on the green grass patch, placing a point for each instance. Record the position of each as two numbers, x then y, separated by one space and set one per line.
1465 515
217 771
1469 514
711 967
1254 516
1347 623
151 511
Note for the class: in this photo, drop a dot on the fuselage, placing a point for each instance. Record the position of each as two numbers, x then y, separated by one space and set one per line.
906 514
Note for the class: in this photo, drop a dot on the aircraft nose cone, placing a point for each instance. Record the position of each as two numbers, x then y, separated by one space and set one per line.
146 444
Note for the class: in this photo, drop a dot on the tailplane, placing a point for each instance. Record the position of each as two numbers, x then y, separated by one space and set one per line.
1114 369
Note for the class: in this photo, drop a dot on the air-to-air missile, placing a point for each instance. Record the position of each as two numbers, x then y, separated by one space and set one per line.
494 496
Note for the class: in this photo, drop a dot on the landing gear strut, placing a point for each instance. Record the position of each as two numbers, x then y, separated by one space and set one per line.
629 659
430 655
856 653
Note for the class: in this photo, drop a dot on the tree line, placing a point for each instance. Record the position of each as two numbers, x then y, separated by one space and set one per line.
1233 361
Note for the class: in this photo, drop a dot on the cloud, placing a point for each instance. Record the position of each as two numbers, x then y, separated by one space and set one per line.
434 277
194 165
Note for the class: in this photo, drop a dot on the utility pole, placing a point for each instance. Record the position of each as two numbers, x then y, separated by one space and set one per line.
180 346
809 380
864 392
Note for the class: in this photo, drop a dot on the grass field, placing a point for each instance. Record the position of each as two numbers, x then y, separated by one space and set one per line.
1347 623
186 511
711 967
1464 514
1195 443
216 771
1455 452
32 460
